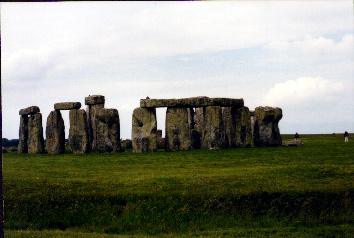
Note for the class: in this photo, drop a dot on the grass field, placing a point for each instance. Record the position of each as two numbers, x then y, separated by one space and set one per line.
303 191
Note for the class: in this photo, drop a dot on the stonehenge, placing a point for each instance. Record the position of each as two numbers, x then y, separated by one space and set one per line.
191 123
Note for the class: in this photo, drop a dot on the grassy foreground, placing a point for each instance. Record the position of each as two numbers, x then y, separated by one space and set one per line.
252 192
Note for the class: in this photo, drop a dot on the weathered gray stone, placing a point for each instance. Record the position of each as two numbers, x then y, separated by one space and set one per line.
229 124
127 144
160 140
35 134
78 133
177 129
55 133
243 130
23 134
198 127
92 113
297 142
67 105
144 128
191 102
29 110
108 131
213 136
94 99
266 129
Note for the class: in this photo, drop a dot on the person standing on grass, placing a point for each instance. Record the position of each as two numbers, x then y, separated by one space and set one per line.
296 136
346 135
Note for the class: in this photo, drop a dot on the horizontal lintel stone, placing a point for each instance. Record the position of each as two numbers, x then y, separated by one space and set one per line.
29 110
191 102
67 105
94 99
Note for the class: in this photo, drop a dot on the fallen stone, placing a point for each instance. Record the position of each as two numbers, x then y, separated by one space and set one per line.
35 134
78 133
23 134
177 129
13 149
293 143
191 102
108 131
266 129
144 126
29 110
67 105
213 136
55 133
4 150
127 144
94 99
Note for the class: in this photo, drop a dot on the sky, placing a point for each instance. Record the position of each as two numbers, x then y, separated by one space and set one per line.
296 55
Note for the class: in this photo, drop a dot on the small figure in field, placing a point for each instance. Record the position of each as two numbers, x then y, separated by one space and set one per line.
296 136
346 135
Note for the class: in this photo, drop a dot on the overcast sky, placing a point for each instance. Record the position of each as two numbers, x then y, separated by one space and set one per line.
294 55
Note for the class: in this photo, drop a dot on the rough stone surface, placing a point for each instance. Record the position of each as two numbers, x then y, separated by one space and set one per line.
266 129
94 99
29 110
177 129
108 131
213 136
67 105
92 113
191 102
297 142
144 126
55 133
243 129
127 144
160 140
228 116
35 134
78 133
23 134
198 127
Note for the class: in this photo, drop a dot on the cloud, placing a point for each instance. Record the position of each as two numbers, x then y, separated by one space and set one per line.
302 91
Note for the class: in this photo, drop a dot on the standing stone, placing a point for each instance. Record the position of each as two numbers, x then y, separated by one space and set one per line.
23 134
213 136
177 129
35 134
198 127
55 133
228 117
108 131
94 104
160 140
243 129
144 126
78 133
266 129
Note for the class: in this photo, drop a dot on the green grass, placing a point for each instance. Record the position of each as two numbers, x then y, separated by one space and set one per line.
249 192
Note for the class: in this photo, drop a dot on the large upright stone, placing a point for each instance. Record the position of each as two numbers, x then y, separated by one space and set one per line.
228 117
23 134
213 136
108 131
266 129
55 133
35 134
144 126
243 129
198 127
178 129
78 133
94 104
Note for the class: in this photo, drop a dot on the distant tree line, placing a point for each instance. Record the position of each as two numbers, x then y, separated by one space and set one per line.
6 142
